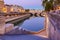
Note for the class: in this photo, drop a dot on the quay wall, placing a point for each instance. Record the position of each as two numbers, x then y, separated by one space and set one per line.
17 19
53 26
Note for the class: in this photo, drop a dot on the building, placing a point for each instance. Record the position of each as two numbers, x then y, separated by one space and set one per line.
1 5
12 8
16 8
5 8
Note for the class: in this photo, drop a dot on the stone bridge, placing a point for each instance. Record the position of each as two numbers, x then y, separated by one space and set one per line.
35 12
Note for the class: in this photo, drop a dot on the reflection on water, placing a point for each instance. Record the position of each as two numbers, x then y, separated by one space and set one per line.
33 24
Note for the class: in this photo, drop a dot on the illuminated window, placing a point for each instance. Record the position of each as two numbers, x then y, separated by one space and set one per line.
16 15
12 9
20 10
59 7
23 11
4 10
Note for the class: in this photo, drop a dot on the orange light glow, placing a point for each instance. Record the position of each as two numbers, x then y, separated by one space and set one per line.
4 10
12 9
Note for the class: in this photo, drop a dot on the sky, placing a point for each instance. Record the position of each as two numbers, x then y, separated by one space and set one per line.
26 4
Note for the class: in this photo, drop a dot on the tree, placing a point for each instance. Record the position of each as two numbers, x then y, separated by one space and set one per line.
47 4
56 2
50 4
27 10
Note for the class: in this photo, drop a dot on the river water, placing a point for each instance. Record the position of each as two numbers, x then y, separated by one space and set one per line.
33 24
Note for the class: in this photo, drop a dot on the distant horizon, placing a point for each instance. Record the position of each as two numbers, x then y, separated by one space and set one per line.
26 4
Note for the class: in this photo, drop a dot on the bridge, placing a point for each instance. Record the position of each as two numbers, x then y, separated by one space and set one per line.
37 13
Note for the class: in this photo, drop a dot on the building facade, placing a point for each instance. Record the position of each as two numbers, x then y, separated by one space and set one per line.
1 5
16 8
5 8
13 8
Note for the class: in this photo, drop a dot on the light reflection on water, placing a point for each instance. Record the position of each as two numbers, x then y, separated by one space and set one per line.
33 24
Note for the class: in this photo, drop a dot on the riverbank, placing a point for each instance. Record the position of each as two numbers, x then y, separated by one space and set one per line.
17 18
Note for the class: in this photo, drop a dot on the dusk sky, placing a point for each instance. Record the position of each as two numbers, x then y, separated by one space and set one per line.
27 4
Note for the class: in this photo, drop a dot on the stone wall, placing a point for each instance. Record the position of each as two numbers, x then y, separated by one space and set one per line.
54 26
2 25
1 5
5 27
